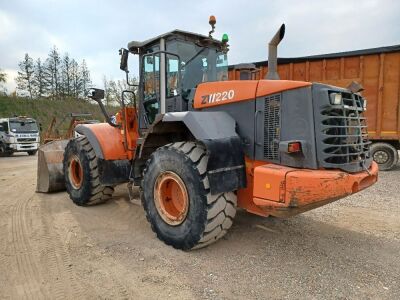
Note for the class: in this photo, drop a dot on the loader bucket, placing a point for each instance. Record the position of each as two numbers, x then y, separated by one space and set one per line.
50 175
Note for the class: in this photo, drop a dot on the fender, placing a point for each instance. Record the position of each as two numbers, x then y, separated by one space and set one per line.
216 130
107 143
106 140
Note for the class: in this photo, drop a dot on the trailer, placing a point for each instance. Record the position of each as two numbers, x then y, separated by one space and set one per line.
376 69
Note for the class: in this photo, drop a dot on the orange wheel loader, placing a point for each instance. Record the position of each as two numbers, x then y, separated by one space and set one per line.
200 146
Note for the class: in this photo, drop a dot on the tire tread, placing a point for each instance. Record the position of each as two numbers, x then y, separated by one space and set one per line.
98 193
221 208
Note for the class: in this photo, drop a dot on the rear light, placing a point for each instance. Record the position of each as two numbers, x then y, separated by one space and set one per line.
294 147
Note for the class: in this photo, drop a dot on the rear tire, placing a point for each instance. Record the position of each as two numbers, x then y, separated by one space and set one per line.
198 218
81 174
385 155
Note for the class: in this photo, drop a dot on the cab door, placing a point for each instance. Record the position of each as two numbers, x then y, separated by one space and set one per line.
173 93
150 89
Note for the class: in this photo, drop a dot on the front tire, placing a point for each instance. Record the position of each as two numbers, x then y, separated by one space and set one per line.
4 152
176 197
32 152
82 175
385 155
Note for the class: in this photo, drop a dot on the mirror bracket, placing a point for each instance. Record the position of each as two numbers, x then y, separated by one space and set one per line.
97 95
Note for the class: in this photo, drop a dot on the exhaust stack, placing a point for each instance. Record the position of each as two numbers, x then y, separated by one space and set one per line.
273 54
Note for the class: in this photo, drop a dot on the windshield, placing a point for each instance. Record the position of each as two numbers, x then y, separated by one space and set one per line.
199 64
23 126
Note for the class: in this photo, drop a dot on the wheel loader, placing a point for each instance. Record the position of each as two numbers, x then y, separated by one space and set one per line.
201 146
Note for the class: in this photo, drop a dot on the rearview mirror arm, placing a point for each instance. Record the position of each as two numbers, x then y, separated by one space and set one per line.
97 95
104 111
127 79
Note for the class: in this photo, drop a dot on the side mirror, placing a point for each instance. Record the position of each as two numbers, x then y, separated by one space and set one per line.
96 94
124 59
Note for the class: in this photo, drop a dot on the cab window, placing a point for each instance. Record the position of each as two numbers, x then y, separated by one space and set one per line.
198 64
151 85
172 76
4 126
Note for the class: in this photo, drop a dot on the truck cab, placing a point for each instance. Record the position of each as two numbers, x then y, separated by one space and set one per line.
18 134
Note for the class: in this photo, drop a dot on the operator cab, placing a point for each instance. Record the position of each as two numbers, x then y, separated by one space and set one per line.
171 66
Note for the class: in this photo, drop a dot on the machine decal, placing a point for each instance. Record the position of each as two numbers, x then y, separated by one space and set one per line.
217 97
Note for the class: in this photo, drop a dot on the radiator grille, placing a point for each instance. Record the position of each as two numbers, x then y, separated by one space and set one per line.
26 139
344 133
272 126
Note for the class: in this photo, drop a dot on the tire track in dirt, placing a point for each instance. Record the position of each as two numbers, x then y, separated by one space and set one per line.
14 254
43 264
30 286
85 253
56 258
19 235
26 263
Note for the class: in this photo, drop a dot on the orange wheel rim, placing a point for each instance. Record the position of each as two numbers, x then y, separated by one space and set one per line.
76 172
171 198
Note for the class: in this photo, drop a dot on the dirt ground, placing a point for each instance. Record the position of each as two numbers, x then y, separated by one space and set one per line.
51 248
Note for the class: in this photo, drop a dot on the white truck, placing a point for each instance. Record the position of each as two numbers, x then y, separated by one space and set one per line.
18 134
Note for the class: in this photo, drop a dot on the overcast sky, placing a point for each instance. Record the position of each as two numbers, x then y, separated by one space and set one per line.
95 30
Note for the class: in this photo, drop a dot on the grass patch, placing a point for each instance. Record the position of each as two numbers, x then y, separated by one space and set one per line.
43 110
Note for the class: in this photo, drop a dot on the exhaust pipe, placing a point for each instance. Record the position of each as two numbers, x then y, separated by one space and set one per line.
273 54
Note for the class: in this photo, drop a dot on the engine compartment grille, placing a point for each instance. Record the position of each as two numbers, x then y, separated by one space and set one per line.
272 114
344 133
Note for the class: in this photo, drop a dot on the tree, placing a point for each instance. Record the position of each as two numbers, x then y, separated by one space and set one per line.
66 76
107 92
85 76
52 73
75 79
3 77
58 76
25 76
114 91
39 79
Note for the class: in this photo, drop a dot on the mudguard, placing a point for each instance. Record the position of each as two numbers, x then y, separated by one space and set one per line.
216 130
113 159
105 140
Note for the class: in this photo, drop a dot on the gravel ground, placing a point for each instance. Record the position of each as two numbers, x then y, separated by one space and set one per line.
51 248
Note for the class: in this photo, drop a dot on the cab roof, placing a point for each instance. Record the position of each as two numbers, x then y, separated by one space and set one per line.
135 46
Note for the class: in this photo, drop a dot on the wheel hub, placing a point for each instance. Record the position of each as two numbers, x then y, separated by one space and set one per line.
381 157
75 172
171 198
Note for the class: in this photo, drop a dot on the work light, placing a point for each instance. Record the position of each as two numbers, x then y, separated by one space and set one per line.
335 98
364 104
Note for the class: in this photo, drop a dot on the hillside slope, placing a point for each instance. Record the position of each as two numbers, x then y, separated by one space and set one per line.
43 110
